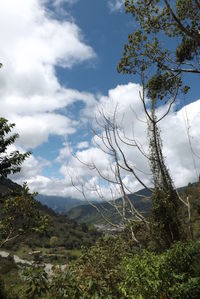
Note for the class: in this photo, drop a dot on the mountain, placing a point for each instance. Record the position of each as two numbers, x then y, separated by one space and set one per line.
142 202
58 203
88 214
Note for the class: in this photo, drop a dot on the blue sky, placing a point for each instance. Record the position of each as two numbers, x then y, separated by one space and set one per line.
106 31
60 60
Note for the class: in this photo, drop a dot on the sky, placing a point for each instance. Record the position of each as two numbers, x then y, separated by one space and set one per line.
59 65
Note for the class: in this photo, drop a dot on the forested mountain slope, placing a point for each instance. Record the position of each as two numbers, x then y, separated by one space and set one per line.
88 214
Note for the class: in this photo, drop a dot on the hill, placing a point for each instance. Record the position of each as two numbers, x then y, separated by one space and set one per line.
142 202
88 214
6 185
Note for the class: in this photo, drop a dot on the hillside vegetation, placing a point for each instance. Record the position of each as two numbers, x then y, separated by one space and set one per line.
57 241
117 268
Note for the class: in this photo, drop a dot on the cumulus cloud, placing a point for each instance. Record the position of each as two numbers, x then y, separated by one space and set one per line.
33 43
180 148
35 129
181 153
181 143
32 173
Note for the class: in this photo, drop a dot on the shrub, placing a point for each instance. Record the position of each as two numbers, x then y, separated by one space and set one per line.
95 275
172 274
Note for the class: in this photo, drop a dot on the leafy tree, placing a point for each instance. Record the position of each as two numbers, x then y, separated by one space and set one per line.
19 216
163 48
9 162
19 213
167 39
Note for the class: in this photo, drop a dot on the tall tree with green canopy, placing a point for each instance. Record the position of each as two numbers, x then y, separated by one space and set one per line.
164 48
9 162
157 20
19 214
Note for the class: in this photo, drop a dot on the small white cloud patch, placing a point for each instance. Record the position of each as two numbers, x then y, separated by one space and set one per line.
115 5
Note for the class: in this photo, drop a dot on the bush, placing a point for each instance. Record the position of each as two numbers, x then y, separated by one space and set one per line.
96 274
114 269
172 274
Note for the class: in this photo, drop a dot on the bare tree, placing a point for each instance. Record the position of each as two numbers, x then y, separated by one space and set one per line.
111 139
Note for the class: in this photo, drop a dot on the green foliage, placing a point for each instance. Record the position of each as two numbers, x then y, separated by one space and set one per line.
36 282
9 163
186 50
115 269
157 22
141 276
163 47
172 274
161 85
96 274
20 216
166 226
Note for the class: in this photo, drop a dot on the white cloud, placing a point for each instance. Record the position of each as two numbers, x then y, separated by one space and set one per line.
32 173
182 162
115 5
82 145
64 154
31 169
32 44
130 116
35 129
61 2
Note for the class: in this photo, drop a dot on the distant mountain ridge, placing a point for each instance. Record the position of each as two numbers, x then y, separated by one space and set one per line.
58 203
88 214
81 211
